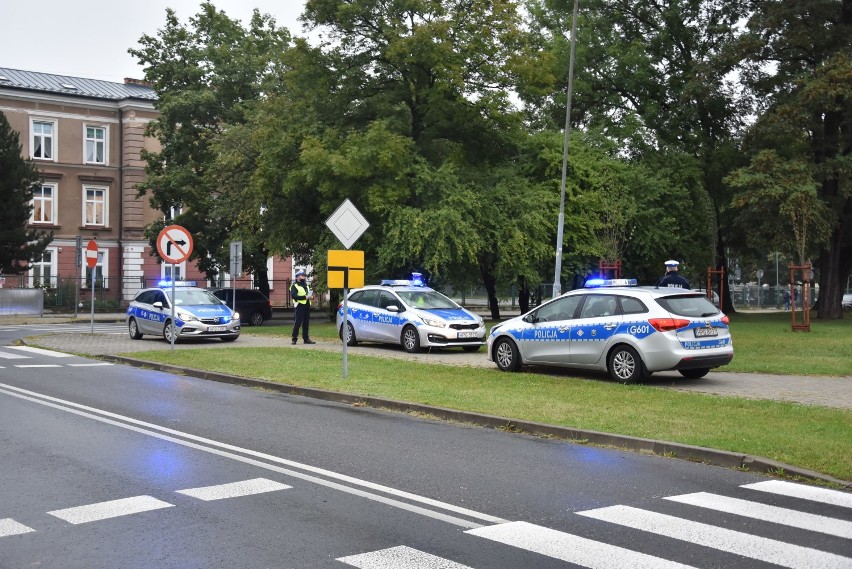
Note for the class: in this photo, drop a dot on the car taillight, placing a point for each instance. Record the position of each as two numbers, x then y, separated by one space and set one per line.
339 306
668 324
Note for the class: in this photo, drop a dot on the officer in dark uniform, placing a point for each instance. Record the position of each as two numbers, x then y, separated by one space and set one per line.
302 299
672 278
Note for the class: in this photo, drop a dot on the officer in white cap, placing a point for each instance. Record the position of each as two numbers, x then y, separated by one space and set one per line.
301 296
672 278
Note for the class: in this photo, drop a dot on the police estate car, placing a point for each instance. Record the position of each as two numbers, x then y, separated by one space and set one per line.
399 312
198 314
615 326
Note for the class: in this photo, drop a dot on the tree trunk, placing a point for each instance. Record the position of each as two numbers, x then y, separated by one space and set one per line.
486 270
523 295
835 266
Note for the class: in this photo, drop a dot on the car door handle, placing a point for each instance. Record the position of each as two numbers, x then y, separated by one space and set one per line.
563 328
610 326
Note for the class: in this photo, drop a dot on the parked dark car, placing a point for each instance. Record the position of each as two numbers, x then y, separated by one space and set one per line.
253 306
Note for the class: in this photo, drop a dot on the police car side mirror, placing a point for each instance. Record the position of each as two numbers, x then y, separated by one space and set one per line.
530 318
393 308
158 304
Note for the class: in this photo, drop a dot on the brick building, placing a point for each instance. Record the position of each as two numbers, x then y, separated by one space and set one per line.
85 137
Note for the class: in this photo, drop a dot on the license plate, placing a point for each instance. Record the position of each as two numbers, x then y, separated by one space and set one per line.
217 328
706 332
467 334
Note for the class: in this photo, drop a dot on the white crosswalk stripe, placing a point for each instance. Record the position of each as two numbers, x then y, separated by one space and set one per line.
774 514
11 356
110 509
812 493
401 557
571 548
9 527
38 351
234 489
753 547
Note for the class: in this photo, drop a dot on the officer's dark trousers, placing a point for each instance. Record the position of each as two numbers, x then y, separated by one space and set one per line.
303 319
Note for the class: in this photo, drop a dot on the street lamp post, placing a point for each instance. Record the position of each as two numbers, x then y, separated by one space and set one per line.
557 279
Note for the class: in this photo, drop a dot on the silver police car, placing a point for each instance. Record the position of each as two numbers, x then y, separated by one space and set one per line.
400 312
615 326
198 314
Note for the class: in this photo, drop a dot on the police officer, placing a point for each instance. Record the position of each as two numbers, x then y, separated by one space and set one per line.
672 278
301 298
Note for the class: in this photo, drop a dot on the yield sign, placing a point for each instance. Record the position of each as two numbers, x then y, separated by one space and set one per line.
92 254
174 244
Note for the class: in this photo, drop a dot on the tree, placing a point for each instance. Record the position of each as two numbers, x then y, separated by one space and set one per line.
19 246
208 76
800 65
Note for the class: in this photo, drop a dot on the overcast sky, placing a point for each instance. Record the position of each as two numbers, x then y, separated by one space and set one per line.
90 38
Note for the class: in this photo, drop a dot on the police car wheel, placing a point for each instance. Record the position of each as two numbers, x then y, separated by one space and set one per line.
506 355
168 330
351 340
694 373
625 365
410 339
133 330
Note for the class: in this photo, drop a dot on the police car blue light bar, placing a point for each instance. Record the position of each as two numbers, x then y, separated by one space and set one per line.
395 282
601 283
417 279
164 284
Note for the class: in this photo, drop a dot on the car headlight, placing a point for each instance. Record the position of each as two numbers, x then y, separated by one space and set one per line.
433 322
185 316
236 315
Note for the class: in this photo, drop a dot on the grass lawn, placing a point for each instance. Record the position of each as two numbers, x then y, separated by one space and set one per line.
816 438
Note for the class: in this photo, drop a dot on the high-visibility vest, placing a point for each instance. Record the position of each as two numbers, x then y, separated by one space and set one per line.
301 291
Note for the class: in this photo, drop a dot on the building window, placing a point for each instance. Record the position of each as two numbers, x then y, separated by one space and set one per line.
95 145
172 272
42 139
100 271
44 197
95 206
43 270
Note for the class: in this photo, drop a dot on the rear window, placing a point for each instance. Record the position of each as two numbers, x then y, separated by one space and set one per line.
696 306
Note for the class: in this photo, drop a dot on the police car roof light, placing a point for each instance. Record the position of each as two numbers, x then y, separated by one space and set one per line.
395 282
166 284
602 283
417 279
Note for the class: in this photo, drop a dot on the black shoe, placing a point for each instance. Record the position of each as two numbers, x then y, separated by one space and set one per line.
309 341
294 342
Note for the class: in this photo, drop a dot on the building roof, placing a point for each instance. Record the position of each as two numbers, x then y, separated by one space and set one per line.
74 86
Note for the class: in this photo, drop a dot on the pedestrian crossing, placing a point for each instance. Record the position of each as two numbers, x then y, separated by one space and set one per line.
593 554
15 356
572 548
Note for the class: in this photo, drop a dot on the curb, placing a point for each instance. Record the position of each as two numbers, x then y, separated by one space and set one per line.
668 449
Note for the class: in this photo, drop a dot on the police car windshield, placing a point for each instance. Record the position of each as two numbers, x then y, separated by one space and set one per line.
194 297
426 299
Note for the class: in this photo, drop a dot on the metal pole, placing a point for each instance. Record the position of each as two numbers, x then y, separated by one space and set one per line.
174 326
345 331
557 279
93 299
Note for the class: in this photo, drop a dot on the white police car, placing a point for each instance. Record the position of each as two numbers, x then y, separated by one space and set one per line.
415 316
198 314
614 326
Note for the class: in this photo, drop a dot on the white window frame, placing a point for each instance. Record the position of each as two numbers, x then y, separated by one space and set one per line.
54 189
105 203
51 266
101 269
178 268
95 142
54 139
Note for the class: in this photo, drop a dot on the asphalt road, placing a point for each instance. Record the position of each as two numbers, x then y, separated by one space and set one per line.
111 466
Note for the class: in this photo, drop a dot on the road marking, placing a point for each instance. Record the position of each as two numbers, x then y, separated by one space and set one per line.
401 557
9 526
37 365
234 489
111 509
753 547
766 513
213 447
813 493
8 356
91 365
571 548
40 351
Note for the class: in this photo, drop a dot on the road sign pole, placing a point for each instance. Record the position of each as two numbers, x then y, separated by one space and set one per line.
93 300
345 330
174 326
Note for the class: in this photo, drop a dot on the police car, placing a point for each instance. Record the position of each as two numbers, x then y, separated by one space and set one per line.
407 313
615 326
198 314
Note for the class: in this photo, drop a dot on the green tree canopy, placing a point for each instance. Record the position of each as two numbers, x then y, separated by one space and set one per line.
19 246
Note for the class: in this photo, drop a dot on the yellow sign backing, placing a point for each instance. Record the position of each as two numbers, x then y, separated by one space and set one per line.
345 269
